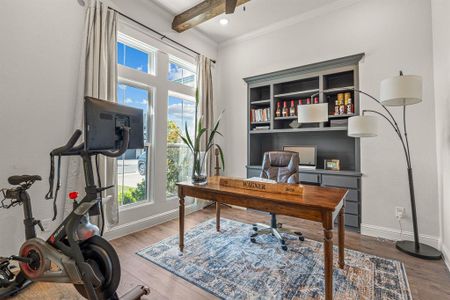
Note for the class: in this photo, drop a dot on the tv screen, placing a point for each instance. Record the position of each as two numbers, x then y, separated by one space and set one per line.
103 121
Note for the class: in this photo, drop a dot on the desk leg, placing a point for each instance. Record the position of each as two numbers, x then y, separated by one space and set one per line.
328 257
341 239
217 216
181 220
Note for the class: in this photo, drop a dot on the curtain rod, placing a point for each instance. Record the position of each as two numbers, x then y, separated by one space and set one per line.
163 36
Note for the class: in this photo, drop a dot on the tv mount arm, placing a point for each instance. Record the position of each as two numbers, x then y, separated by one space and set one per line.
123 148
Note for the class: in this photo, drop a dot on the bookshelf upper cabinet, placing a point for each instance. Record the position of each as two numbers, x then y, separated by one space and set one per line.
273 99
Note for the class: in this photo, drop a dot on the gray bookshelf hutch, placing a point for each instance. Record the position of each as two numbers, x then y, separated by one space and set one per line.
326 80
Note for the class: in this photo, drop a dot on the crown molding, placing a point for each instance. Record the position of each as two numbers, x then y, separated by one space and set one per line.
288 22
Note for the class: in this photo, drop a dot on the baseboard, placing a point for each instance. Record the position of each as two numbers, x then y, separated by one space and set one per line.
138 225
446 254
394 235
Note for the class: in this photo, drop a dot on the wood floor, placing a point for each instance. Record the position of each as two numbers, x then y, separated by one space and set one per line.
429 280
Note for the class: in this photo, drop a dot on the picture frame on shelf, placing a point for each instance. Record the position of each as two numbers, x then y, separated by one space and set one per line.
332 164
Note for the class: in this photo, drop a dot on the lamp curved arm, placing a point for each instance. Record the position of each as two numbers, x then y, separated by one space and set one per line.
405 145
380 114
382 105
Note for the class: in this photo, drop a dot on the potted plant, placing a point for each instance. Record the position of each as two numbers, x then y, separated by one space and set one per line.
199 175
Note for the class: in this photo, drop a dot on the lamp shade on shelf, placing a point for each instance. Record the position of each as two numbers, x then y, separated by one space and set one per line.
401 90
313 113
362 126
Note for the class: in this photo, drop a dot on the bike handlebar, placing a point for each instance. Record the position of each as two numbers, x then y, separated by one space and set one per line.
73 139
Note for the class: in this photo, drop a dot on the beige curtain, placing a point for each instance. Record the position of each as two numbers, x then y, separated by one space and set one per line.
206 105
98 78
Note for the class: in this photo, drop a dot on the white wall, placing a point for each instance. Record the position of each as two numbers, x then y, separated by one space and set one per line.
39 60
395 35
441 56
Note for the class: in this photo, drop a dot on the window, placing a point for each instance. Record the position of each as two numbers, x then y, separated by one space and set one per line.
132 165
182 72
134 54
180 113
146 178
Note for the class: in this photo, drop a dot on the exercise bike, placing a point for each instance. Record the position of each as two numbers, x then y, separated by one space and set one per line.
74 252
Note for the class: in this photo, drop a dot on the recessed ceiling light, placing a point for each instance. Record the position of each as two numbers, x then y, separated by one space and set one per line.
223 21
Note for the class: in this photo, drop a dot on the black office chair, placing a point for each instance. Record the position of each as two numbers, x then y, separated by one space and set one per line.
281 166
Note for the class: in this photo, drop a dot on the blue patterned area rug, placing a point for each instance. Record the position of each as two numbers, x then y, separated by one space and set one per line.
229 266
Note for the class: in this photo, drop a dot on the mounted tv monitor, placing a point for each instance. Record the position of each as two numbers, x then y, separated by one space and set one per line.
103 121
308 155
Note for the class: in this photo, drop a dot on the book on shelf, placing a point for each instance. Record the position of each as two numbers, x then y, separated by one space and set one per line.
260 115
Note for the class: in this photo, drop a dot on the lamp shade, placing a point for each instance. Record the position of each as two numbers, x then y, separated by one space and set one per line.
362 126
401 90
313 113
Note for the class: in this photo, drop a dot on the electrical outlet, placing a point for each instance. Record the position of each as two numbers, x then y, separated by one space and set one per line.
46 224
399 212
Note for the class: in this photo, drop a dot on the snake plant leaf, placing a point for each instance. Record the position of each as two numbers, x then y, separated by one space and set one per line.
187 143
188 136
198 138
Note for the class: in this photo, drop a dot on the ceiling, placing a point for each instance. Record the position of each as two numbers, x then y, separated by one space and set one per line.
258 14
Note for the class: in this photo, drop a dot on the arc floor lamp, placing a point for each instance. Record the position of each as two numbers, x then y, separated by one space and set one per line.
400 91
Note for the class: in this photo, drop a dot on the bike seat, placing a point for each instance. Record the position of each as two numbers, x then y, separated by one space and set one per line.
18 179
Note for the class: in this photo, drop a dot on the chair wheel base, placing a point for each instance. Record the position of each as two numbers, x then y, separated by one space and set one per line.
300 235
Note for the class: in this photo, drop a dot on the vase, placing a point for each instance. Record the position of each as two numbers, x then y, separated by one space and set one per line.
199 179
199 176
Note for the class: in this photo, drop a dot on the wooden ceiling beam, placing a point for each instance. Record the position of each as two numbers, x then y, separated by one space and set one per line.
200 13
230 5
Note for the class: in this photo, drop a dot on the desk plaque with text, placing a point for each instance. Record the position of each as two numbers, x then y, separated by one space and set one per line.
263 186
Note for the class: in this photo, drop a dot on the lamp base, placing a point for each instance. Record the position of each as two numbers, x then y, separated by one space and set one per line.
424 251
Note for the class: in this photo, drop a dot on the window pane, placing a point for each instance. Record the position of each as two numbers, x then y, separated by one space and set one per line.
132 57
132 166
179 158
181 74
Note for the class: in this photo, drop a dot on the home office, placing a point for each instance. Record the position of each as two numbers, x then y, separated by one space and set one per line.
256 149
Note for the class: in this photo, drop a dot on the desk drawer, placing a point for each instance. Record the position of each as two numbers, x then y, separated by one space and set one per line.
309 178
340 181
351 220
352 195
351 207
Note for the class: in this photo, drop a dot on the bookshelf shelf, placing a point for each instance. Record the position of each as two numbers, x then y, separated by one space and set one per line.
341 116
296 94
260 102
286 118
294 130
338 90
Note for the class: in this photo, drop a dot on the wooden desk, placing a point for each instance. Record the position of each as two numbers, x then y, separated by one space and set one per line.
320 204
